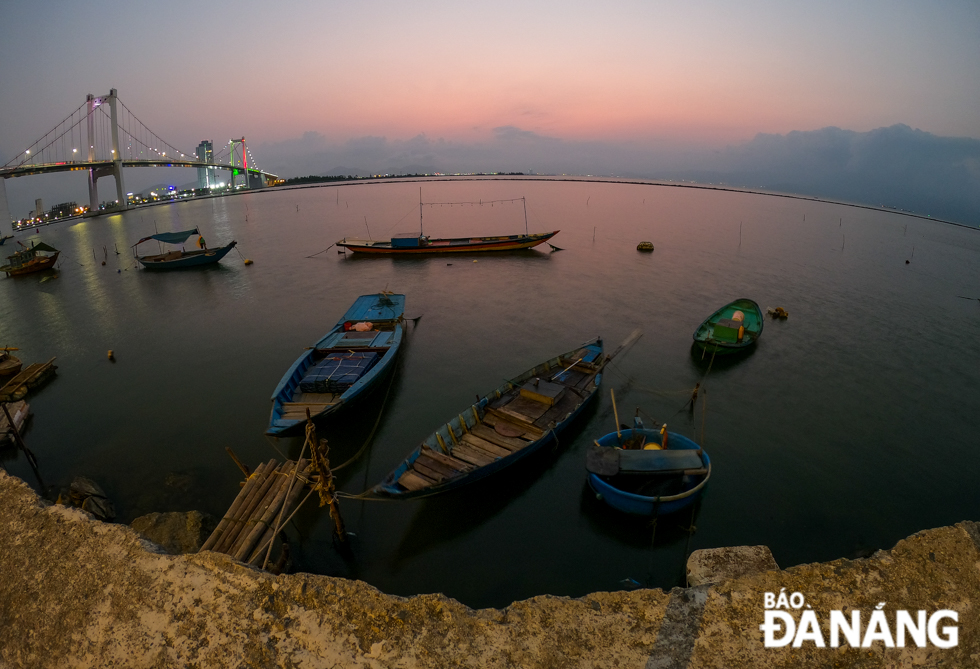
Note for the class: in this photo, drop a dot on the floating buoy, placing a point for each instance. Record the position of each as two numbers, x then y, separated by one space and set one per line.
248 261
644 246
103 263
474 261
112 356
778 312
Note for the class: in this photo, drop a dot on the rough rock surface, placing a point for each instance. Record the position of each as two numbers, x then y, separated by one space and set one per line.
75 592
711 565
177 533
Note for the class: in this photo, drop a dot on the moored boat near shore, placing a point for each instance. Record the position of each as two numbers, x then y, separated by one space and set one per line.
179 258
503 427
410 243
343 365
34 258
631 470
734 327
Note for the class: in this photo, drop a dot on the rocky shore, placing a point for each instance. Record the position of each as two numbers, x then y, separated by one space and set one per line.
77 592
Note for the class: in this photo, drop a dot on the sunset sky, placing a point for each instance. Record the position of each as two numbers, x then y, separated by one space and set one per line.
701 74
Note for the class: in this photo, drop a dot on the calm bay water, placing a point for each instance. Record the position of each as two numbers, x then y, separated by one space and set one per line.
853 424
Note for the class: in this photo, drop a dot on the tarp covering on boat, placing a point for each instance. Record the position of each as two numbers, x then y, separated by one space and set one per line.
377 307
169 237
337 372
41 246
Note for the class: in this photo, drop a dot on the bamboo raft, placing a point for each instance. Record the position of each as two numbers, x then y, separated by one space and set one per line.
261 509
31 377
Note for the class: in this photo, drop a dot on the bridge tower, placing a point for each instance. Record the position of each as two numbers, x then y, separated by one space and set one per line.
116 168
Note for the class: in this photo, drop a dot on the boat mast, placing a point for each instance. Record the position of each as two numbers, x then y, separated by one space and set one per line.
525 216
420 212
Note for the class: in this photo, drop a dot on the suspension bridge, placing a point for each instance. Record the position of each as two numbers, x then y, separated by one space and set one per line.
102 136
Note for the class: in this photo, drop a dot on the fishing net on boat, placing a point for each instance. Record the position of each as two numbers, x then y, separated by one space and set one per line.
337 372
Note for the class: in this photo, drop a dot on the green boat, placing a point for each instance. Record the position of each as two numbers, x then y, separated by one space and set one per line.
733 328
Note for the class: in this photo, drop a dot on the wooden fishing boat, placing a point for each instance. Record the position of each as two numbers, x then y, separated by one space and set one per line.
734 327
343 365
4 238
34 258
179 258
9 363
410 243
629 471
19 412
503 427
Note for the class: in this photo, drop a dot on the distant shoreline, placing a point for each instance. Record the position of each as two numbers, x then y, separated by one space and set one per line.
631 182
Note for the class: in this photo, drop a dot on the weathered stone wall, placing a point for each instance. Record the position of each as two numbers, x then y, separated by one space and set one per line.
75 592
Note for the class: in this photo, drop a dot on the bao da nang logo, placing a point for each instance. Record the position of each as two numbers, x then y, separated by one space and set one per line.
860 630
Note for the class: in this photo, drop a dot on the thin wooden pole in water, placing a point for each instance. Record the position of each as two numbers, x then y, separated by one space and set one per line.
612 393
20 443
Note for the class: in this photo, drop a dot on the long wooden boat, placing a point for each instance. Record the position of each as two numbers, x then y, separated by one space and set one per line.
34 258
632 473
411 243
734 327
343 365
179 258
501 428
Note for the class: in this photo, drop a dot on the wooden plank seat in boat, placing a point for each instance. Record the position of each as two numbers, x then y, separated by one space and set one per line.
526 408
484 445
474 456
411 480
493 417
448 460
494 437
606 461
565 406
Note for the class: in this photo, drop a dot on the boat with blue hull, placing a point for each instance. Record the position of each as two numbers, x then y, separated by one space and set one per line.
631 471
503 427
179 258
343 366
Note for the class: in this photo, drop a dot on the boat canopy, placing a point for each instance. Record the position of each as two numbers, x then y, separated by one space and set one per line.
41 246
169 237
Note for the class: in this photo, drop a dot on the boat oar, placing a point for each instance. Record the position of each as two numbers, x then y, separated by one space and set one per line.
554 248
619 435
629 341
566 369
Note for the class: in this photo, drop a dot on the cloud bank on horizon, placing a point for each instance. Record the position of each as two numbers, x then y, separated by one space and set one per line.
896 167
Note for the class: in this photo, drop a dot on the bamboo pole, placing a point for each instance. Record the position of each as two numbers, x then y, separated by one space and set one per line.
263 522
245 512
300 464
275 529
276 481
236 521
231 515
238 462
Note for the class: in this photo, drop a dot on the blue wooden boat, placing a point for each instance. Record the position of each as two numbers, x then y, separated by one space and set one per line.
179 258
4 238
343 365
630 471
733 328
503 427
